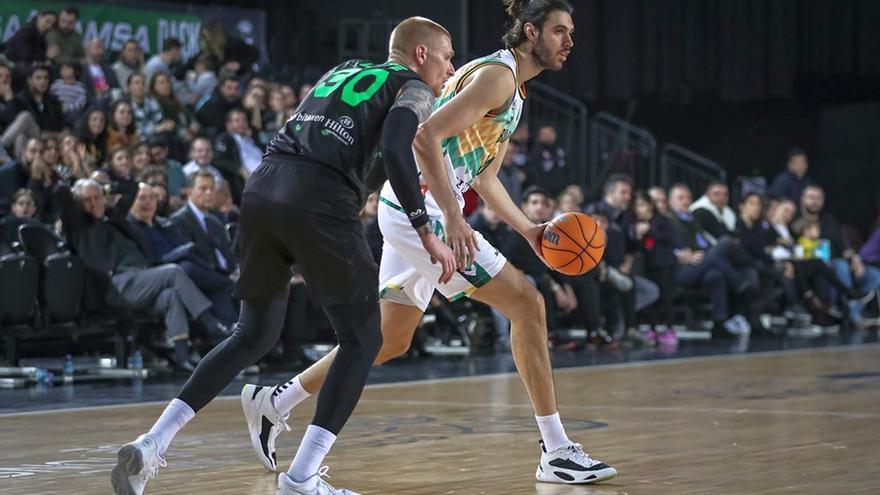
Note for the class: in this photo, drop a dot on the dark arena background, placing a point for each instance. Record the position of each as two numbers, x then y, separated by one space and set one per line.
727 343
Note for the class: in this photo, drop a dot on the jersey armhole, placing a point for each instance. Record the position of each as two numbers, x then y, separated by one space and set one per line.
472 70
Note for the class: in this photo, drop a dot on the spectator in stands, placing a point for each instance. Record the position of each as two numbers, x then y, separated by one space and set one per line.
131 59
32 111
172 51
520 254
510 175
228 52
566 202
546 166
201 81
212 115
141 160
489 225
258 115
24 210
655 237
185 125
103 239
616 197
16 175
70 91
122 131
28 44
289 97
98 75
225 209
64 43
712 211
164 243
6 96
277 112
790 183
75 158
658 197
91 130
236 154
117 173
845 261
201 154
718 268
45 176
870 251
177 180
196 223
148 117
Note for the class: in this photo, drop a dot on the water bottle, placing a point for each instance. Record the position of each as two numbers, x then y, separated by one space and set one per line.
137 363
68 369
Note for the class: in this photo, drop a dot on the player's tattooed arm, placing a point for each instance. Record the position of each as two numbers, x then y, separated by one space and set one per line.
418 97
413 106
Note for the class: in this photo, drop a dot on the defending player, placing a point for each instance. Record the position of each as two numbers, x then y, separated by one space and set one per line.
301 206
474 116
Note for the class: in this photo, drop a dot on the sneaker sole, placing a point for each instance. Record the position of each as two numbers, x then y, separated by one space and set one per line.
600 476
129 462
246 393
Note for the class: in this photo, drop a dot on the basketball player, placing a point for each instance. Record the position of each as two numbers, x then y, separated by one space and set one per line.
301 206
474 116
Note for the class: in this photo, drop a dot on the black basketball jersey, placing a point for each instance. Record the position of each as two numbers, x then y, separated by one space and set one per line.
339 123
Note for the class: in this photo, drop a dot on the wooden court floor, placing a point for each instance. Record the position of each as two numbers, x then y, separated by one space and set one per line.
800 422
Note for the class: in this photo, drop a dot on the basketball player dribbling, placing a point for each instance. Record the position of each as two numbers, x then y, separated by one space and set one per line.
301 206
467 136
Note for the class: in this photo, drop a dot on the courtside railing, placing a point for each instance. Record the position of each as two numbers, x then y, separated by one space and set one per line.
681 165
617 146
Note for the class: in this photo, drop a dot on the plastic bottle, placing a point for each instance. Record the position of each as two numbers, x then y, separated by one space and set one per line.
137 363
68 369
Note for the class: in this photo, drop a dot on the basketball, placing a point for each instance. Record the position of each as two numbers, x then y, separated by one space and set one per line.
573 243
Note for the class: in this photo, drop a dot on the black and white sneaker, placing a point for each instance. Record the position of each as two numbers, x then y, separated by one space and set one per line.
569 464
264 423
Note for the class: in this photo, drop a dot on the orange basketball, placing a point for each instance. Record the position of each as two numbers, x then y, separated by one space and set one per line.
573 243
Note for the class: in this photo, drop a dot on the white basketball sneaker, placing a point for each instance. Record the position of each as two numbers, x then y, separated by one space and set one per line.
264 423
571 465
137 462
315 485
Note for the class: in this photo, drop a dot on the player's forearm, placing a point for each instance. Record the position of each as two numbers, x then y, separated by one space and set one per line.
400 166
430 157
496 196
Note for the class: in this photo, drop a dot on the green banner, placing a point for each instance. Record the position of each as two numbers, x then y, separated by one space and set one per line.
115 24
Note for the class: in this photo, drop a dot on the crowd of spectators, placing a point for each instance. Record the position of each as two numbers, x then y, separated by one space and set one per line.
138 165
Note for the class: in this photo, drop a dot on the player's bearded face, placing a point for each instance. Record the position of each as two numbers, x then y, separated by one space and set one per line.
554 43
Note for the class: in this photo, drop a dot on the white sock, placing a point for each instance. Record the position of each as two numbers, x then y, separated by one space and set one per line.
176 415
288 395
552 431
315 445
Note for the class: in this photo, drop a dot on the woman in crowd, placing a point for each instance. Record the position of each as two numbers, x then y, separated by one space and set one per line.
655 237
46 173
118 173
185 125
75 158
259 116
140 159
148 117
91 130
23 211
122 131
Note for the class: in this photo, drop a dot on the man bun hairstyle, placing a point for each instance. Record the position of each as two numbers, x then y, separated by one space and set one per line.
532 12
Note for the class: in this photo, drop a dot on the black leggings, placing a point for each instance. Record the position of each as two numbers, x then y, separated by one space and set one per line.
359 332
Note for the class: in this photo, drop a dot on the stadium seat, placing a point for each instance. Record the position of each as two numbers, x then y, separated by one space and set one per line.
62 274
19 275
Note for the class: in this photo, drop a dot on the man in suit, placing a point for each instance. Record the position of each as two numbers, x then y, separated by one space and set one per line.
197 225
122 273
236 154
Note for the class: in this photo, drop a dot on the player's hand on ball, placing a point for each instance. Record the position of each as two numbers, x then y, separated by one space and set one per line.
461 238
534 236
440 253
